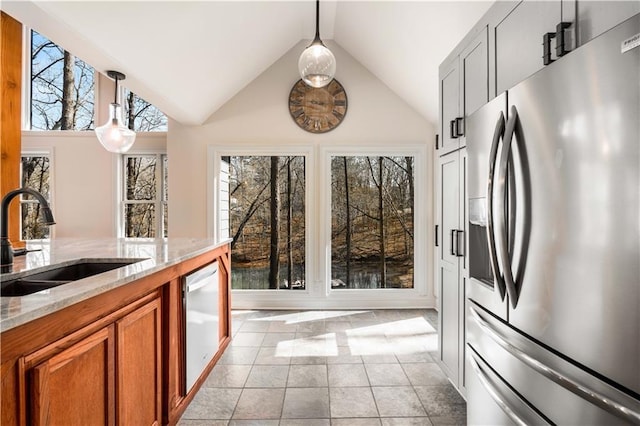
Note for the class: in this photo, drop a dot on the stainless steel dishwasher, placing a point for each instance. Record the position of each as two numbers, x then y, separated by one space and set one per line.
200 298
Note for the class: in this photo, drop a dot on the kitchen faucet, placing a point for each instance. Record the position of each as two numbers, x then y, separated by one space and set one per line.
6 251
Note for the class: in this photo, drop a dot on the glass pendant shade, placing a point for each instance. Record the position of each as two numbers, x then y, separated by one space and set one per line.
317 65
114 135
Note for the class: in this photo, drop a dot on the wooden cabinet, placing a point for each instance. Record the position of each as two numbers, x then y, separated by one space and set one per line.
452 264
73 385
113 359
139 373
105 376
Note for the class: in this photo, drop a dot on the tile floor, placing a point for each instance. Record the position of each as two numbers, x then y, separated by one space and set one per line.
329 368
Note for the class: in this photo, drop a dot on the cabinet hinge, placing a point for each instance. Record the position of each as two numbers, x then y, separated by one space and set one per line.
437 141
437 244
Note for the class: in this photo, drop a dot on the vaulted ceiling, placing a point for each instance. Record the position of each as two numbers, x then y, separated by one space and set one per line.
190 57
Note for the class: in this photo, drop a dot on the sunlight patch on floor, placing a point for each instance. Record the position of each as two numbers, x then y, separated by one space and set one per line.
401 337
301 317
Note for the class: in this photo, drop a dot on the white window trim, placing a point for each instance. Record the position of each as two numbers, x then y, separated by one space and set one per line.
44 152
159 201
318 293
421 277
265 297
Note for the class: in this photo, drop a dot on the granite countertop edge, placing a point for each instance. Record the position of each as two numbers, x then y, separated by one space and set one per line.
16 311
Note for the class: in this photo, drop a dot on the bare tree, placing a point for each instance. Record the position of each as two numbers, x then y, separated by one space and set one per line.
289 227
140 186
377 232
61 88
252 213
274 257
67 121
142 116
382 228
348 229
35 175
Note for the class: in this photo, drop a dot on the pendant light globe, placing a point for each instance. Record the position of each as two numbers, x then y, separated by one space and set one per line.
317 65
114 135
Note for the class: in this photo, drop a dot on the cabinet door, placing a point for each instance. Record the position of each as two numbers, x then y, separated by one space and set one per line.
449 106
139 375
463 264
474 62
596 17
75 386
448 265
519 40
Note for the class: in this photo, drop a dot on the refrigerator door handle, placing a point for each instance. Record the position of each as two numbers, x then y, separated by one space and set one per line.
584 392
497 274
494 392
502 237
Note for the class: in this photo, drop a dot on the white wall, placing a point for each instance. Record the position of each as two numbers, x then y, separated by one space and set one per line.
259 115
84 187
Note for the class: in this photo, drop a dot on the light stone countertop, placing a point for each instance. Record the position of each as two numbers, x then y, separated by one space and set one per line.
157 253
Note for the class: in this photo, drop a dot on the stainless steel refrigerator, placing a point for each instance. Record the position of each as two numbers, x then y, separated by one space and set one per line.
553 309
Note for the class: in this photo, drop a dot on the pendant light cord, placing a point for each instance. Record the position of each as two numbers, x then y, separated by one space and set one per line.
317 39
115 94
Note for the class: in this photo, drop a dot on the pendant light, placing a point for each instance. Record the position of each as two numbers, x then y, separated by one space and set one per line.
114 135
317 65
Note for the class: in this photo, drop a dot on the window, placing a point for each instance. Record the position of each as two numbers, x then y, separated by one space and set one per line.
267 221
141 116
372 216
145 196
62 88
34 175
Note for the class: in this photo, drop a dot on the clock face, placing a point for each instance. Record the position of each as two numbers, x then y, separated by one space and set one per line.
318 109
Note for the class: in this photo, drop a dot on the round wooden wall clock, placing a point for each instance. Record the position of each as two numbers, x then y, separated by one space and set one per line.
318 110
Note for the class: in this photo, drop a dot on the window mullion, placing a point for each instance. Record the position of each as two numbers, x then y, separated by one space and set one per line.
158 200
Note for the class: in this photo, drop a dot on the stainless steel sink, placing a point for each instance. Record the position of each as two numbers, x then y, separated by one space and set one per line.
34 282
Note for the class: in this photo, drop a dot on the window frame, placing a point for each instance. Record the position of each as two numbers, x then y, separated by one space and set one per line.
160 202
27 70
40 152
100 107
318 292
387 241
214 157
420 273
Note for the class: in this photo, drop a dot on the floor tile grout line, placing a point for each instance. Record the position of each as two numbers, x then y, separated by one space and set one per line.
376 321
